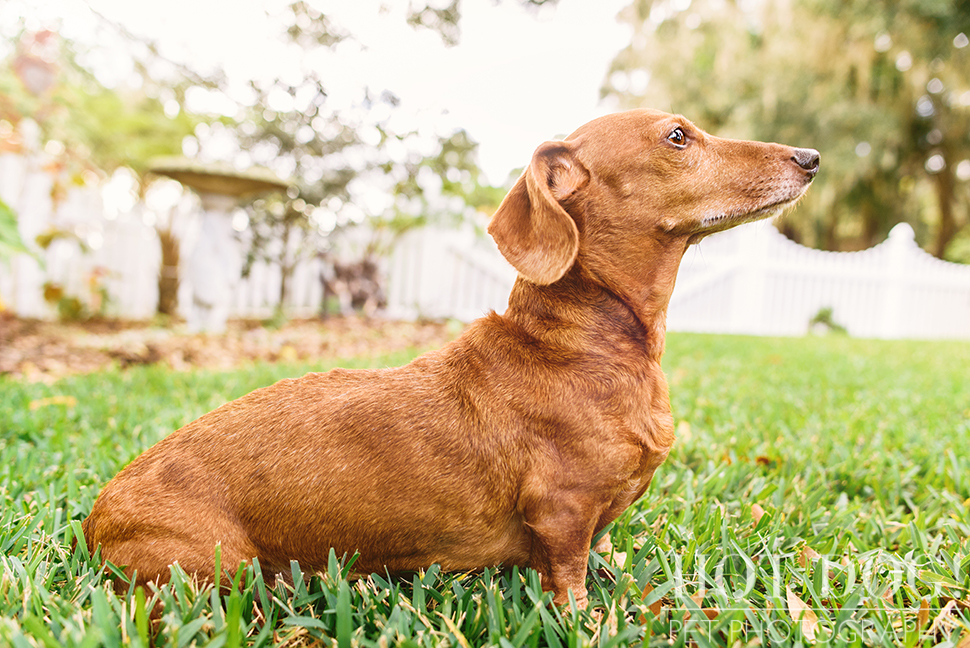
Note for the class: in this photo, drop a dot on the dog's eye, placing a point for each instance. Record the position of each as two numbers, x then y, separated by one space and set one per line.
677 138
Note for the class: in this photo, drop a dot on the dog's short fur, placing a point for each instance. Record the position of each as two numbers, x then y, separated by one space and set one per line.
515 443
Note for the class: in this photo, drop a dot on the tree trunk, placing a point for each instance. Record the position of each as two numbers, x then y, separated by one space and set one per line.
168 274
286 268
831 242
870 225
948 226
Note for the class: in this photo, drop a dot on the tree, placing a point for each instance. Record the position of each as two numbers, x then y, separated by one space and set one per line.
879 88
98 128
291 127
444 17
95 130
289 124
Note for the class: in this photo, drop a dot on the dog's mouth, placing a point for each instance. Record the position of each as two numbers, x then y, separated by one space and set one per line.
718 222
726 220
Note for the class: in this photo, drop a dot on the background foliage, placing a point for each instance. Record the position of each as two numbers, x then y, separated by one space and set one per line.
337 158
880 88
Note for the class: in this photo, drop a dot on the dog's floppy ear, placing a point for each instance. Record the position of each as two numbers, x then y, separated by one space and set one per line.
532 230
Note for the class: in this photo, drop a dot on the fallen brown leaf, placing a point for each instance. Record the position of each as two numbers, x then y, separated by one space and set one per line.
945 619
807 555
288 353
923 616
66 401
801 613
757 512
683 431
657 605
710 612
961 603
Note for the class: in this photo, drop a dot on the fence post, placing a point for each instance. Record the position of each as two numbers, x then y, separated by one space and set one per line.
899 247
214 266
748 294
34 207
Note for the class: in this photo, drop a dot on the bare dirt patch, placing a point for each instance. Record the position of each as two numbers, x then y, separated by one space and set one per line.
44 351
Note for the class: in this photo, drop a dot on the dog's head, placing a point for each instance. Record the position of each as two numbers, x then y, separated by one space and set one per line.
626 186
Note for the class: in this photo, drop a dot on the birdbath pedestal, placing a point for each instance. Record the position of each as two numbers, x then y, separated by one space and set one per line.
215 263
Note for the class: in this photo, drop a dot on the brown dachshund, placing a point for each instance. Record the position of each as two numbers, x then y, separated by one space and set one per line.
515 443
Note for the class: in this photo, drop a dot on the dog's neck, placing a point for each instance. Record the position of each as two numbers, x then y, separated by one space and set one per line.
582 312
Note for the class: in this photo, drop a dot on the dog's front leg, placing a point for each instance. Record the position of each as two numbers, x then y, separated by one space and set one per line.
560 549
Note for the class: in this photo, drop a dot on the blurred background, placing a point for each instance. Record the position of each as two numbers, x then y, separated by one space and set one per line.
195 162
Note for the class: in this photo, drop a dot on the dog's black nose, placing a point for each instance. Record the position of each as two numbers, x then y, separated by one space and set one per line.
807 159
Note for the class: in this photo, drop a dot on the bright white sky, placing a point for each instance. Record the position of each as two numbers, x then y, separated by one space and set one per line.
517 78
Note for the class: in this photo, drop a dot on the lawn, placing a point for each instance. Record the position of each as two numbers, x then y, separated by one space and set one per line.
818 492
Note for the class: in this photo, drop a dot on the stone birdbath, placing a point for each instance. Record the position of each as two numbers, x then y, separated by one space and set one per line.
215 262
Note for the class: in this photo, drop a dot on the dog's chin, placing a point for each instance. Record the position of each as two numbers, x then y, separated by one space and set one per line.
724 221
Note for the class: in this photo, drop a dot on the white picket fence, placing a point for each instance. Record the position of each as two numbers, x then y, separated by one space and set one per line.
438 273
754 280
748 280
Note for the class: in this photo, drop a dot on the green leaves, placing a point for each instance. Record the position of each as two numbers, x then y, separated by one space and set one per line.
10 241
876 87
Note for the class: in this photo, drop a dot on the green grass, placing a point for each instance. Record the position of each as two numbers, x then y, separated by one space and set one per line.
856 451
